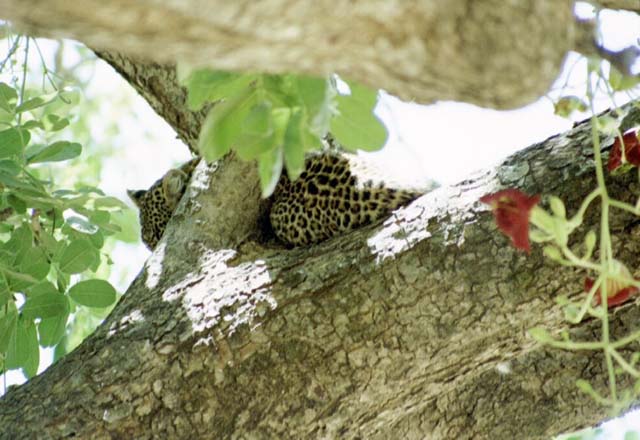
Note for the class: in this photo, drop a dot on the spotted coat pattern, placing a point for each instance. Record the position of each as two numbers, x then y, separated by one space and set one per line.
156 204
326 200
329 199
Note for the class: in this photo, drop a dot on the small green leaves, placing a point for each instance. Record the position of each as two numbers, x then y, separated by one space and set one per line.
52 330
93 293
52 122
589 244
209 86
269 169
46 303
50 237
12 141
22 350
223 125
356 126
77 257
553 253
566 105
269 118
256 136
557 207
8 98
296 142
56 152
608 125
541 335
8 323
36 102
620 82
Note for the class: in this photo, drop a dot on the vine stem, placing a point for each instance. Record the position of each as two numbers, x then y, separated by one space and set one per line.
605 241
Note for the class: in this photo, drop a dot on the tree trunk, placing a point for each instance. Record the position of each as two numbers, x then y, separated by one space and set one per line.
491 53
412 328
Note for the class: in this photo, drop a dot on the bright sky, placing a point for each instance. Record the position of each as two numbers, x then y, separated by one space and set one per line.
445 141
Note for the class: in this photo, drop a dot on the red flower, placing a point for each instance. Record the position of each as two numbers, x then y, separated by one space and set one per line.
631 150
621 296
511 208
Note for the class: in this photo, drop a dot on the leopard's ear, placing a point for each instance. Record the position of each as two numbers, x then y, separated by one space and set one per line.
173 186
136 196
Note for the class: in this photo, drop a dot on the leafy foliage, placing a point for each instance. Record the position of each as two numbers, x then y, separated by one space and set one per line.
277 119
50 238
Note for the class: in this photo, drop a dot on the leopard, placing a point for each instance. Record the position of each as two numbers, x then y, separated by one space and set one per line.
329 198
157 204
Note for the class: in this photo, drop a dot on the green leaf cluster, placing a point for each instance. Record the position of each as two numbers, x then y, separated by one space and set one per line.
277 119
49 238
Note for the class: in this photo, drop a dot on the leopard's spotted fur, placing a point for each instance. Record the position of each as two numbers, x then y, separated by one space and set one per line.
327 199
156 204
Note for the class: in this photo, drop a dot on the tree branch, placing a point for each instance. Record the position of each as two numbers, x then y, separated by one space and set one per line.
628 5
489 53
411 328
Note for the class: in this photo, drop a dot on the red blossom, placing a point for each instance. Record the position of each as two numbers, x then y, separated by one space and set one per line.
631 150
512 207
621 295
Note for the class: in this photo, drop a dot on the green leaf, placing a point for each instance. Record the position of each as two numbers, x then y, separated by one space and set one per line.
8 97
541 335
568 104
294 145
29 344
127 220
8 323
36 102
5 292
620 82
53 329
257 135
356 126
19 243
12 141
47 303
109 202
608 125
631 435
77 257
18 205
53 122
31 124
23 351
208 86
318 96
93 293
10 167
35 263
224 124
56 152
97 240
269 169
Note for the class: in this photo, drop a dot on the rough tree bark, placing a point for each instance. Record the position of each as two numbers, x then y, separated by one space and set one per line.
491 53
414 328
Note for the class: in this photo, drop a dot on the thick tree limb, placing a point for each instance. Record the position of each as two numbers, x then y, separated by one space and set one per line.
629 5
490 53
410 329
